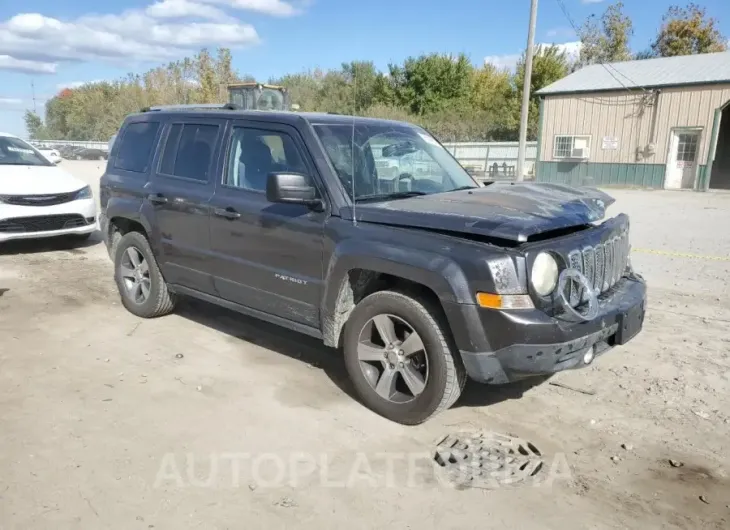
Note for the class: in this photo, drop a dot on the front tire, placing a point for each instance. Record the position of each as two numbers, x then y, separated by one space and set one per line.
141 286
401 358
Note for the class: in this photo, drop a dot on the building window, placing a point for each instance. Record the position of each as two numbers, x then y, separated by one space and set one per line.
572 147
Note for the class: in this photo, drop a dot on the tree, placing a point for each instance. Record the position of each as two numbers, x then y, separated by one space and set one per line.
492 101
606 40
428 83
644 54
548 65
688 31
444 93
209 85
366 84
35 127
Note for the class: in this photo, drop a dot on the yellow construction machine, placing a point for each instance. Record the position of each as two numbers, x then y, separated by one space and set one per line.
258 96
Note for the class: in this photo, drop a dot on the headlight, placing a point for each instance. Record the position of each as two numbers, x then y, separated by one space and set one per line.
544 275
84 193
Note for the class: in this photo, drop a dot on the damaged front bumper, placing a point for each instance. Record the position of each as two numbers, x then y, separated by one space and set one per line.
503 346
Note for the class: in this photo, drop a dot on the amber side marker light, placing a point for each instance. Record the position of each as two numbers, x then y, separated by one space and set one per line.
504 301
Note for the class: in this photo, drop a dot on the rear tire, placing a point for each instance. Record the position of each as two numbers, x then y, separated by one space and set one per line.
141 286
445 375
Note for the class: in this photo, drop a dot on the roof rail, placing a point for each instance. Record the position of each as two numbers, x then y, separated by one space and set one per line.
193 106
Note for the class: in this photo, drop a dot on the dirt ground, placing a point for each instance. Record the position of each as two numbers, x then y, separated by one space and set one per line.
206 419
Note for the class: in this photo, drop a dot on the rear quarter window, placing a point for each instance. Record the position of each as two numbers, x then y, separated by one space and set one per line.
135 146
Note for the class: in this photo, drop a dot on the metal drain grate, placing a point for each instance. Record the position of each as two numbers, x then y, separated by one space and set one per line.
486 460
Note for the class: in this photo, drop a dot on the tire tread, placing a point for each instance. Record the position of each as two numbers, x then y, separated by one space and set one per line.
455 372
165 301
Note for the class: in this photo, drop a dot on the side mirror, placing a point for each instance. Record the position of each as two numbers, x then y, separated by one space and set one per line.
291 188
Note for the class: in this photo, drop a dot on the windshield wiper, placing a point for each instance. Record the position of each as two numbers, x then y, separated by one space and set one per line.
462 188
386 196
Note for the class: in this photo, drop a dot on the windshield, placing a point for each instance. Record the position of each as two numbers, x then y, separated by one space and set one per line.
16 152
380 160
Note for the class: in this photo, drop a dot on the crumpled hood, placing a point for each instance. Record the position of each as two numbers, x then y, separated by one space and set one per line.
36 180
512 211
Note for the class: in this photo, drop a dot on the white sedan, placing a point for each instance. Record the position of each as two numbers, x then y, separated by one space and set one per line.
38 199
51 154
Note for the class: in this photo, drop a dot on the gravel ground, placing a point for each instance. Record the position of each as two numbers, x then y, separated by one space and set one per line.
206 419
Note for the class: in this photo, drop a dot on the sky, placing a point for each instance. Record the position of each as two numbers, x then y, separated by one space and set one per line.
46 45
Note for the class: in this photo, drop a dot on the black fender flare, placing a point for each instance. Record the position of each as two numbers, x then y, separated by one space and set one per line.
133 210
437 272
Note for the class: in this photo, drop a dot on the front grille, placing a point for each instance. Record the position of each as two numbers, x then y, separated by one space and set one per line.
42 223
603 265
38 200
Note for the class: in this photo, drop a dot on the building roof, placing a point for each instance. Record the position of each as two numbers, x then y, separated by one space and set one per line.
648 73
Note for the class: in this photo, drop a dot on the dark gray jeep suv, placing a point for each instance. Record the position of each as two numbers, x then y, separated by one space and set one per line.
369 235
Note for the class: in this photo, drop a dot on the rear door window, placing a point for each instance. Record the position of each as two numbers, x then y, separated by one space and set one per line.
189 151
136 146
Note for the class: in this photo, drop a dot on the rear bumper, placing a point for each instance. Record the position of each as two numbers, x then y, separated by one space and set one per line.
506 346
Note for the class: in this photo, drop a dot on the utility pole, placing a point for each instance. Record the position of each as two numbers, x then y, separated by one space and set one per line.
526 92
32 88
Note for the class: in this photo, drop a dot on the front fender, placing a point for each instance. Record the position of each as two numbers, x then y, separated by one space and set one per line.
435 271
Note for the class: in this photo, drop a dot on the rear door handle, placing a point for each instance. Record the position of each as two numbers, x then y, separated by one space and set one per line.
227 213
157 198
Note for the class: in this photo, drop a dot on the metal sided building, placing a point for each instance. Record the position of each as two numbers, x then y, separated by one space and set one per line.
655 123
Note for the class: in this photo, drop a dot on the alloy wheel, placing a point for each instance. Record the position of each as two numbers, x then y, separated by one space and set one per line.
393 358
135 273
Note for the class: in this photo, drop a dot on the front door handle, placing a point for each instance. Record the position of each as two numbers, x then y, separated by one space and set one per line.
227 213
157 198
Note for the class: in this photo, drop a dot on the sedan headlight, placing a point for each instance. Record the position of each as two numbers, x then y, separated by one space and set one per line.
84 193
544 276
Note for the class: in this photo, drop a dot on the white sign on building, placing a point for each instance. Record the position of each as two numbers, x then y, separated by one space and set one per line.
609 142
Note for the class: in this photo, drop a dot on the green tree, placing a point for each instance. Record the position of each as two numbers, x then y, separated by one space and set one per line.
606 40
492 92
644 54
442 93
548 65
304 88
428 83
209 87
35 127
688 31
366 84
